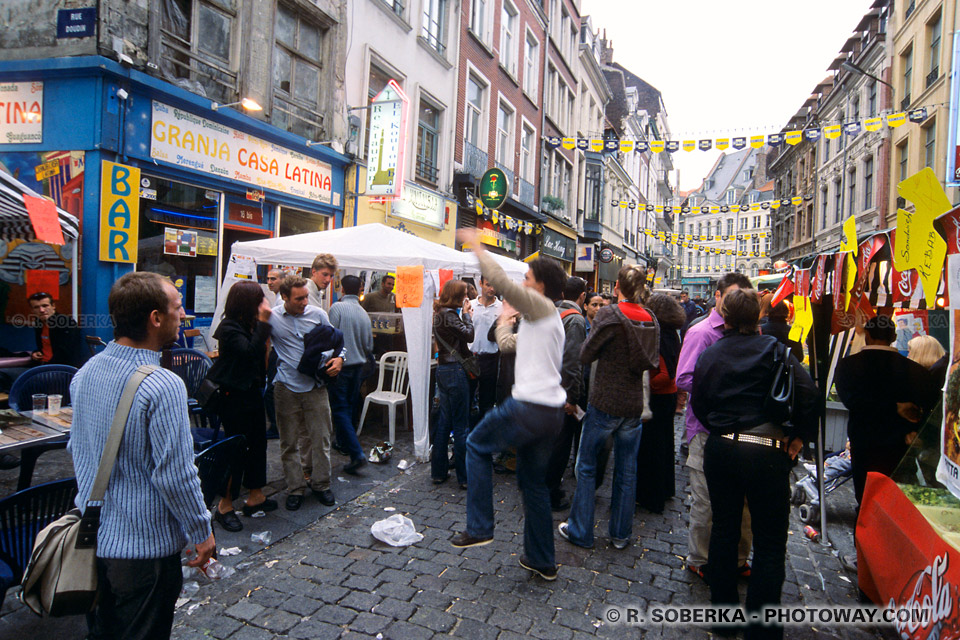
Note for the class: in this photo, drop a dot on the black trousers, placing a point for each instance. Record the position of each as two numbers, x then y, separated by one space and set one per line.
242 414
656 457
560 455
735 470
882 459
487 383
137 598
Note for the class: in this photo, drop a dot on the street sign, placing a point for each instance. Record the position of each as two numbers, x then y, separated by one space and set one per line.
494 188
606 255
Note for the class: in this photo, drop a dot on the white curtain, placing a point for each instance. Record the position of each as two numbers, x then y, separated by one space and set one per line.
418 330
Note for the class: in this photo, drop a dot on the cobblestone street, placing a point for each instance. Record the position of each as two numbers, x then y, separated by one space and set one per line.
330 578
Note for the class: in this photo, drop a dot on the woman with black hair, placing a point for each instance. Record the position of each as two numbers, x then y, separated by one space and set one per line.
241 371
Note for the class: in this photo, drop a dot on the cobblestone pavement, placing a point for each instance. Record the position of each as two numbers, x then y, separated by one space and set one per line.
330 578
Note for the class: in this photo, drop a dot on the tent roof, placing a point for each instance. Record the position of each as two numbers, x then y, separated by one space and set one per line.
14 218
368 246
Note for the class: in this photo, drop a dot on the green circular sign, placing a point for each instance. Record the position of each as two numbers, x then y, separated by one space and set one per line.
494 188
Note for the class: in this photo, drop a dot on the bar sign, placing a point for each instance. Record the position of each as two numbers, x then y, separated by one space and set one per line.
76 23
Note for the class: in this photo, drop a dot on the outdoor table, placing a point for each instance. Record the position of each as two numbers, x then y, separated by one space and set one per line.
27 431
15 361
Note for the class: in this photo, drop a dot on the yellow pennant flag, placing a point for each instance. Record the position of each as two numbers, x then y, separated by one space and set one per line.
896 119
569 143
802 319
656 146
626 146
723 143
848 244
596 146
832 131
714 209
658 209
623 204
775 204
918 245
755 206
873 124
793 137
746 236
796 200
689 145
757 141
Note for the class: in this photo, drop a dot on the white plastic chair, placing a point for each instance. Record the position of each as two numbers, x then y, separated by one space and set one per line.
396 362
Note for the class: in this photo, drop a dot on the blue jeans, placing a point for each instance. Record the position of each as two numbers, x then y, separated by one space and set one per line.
531 428
344 395
597 427
454 392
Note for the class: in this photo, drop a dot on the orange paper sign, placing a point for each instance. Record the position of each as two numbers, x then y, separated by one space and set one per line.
43 281
409 290
43 217
445 275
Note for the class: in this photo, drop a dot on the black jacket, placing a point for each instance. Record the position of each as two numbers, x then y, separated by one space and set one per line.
574 332
780 330
242 365
319 345
731 382
455 330
66 340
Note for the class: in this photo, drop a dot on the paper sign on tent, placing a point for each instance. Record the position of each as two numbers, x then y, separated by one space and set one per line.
802 319
43 217
445 275
43 281
917 244
409 289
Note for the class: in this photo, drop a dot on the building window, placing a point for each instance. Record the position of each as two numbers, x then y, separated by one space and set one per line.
478 18
756 243
906 63
754 270
428 133
551 92
731 196
756 222
505 136
902 154
823 208
376 83
397 6
729 226
508 38
531 69
434 20
851 192
929 145
476 100
868 184
594 185
837 196
196 39
872 99
743 223
527 146
826 147
934 65
296 75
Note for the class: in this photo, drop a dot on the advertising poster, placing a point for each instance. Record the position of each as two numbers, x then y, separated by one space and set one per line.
180 242
948 471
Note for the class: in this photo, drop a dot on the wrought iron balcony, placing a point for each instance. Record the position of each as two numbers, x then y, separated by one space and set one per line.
507 172
910 8
933 75
475 161
526 193
905 102
427 170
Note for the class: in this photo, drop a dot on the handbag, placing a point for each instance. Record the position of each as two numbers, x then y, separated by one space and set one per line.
778 405
208 395
61 576
470 365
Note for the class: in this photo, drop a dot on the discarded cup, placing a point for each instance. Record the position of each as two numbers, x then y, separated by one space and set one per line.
232 551
216 571
189 589
264 537
39 402
53 404
404 465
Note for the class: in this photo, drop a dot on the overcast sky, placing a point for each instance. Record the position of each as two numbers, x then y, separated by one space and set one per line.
726 67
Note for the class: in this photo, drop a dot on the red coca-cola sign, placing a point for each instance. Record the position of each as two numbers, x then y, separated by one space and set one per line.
928 604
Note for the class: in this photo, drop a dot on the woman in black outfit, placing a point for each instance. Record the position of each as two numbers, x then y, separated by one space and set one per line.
656 457
241 373
453 330
748 454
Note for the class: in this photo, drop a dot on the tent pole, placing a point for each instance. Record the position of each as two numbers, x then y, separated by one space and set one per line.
74 287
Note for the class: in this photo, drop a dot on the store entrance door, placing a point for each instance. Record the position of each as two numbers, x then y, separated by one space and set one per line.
233 234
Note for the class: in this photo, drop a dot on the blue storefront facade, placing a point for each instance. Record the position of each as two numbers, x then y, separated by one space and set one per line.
198 178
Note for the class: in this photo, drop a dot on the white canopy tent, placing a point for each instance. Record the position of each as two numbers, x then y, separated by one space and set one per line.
372 247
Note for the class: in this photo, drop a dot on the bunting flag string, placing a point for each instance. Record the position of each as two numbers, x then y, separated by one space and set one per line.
714 208
498 219
688 242
850 128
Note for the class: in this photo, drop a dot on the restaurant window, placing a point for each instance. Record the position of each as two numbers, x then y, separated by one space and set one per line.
178 239
428 132
196 45
297 65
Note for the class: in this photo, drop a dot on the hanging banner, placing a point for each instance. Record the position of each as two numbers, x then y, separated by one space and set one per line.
723 143
831 132
812 134
689 145
818 279
626 146
705 145
757 141
792 137
774 139
873 124
672 145
739 143
918 245
948 471
119 212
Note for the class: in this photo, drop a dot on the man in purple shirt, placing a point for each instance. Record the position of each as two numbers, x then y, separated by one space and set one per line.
699 336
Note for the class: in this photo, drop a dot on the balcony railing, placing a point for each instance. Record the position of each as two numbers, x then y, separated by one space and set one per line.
526 193
507 172
910 8
933 75
427 170
905 102
474 160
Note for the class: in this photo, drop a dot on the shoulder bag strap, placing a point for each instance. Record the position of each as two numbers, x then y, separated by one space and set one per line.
454 353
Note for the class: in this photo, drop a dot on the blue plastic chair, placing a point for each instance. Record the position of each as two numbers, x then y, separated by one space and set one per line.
22 516
216 464
192 366
48 379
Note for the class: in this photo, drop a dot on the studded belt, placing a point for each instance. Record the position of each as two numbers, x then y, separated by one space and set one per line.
751 439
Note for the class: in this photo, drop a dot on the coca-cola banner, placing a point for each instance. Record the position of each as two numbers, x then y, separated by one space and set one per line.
818 279
948 471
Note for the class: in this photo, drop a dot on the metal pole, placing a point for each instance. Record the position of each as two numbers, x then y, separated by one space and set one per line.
843 177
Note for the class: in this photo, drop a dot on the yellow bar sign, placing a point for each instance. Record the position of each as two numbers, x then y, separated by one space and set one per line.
119 212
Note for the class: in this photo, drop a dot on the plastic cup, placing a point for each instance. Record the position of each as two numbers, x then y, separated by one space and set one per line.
39 402
53 404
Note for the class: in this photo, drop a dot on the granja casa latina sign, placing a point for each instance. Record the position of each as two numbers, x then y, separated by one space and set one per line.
187 140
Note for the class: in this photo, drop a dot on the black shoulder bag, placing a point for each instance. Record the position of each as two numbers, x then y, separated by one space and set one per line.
778 404
470 365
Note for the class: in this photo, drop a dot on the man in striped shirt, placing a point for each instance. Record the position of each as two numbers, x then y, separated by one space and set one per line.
153 506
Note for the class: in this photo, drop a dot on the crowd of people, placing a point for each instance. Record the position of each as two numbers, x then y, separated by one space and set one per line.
555 371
